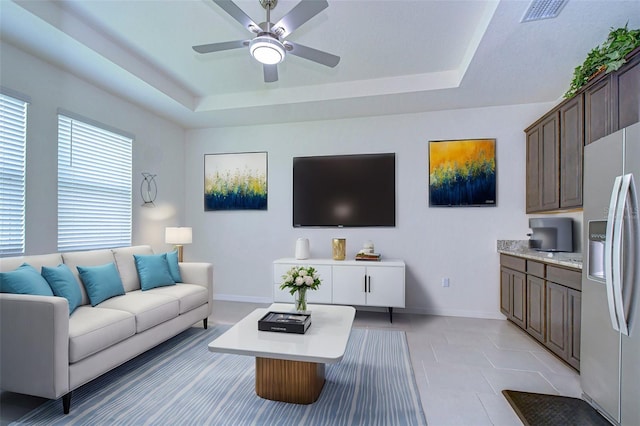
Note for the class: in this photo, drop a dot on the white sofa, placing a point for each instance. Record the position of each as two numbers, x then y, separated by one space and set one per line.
46 352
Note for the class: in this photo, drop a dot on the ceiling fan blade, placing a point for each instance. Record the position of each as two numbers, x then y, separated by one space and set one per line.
270 73
236 13
217 47
312 54
300 14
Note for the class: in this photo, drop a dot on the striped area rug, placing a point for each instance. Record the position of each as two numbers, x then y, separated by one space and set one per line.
181 383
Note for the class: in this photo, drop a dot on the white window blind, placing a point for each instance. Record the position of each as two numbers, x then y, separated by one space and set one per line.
94 186
13 137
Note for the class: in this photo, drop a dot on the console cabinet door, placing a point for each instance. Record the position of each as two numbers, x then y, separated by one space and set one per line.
385 286
349 285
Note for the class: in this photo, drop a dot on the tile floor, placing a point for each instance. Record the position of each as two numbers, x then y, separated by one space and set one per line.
460 364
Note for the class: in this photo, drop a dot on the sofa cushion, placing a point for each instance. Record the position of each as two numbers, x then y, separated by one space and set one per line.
149 309
101 282
63 284
174 268
153 271
94 329
127 267
73 259
24 280
37 261
190 296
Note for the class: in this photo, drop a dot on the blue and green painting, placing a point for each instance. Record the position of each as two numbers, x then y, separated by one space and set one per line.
462 172
235 181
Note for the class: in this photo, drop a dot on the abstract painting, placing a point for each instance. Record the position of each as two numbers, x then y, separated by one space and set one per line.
235 181
462 173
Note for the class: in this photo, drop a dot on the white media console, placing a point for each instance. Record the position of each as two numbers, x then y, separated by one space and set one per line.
348 282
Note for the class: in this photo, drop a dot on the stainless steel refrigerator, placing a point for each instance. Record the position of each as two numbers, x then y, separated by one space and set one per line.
610 333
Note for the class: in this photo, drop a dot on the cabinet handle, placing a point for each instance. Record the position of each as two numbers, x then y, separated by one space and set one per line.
369 276
365 283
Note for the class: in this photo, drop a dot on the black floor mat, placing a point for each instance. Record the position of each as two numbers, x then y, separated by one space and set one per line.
536 409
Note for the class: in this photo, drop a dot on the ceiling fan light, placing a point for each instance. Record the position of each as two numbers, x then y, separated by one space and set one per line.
267 50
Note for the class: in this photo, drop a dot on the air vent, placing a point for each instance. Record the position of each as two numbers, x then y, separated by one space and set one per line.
543 9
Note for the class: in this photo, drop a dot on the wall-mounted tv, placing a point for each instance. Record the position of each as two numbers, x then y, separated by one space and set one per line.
344 190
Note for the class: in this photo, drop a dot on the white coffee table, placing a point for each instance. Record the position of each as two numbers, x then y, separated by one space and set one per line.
290 367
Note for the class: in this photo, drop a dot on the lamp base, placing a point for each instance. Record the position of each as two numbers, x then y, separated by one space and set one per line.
179 247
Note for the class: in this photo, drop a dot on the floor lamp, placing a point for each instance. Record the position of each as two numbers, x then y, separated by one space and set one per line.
178 236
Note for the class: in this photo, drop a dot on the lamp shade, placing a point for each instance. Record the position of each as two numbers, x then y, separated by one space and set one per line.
267 50
178 235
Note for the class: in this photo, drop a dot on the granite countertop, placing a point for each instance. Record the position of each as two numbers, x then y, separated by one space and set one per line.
521 248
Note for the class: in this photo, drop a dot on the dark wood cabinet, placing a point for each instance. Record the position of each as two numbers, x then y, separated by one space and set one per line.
550 298
513 289
571 149
557 320
626 85
512 285
574 301
536 321
543 156
598 115
606 104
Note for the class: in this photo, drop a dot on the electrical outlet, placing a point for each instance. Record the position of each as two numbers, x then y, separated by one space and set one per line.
445 282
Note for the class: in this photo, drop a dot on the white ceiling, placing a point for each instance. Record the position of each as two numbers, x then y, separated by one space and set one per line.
397 56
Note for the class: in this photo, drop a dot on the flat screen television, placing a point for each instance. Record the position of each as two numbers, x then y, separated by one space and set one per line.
344 190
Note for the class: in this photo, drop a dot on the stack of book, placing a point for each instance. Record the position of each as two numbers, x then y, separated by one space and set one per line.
368 256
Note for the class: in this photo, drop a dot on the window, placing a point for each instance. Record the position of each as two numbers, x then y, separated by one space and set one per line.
94 186
13 138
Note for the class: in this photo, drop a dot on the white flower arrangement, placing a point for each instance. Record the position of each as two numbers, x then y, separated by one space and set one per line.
300 278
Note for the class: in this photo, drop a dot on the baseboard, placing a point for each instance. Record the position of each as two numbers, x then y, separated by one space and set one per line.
246 299
454 313
410 310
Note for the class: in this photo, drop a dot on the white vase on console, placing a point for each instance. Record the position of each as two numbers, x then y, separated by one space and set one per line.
302 248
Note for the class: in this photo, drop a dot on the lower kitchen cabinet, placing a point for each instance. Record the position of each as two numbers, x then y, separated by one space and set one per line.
513 289
535 307
545 301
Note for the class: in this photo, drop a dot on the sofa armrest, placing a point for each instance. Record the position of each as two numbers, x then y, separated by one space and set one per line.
34 345
200 273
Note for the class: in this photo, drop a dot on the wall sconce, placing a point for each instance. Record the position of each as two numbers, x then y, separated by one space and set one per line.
178 236
148 189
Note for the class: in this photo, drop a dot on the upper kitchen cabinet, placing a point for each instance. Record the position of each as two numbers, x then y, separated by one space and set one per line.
556 141
571 147
554 158
543 155
612 101
626 87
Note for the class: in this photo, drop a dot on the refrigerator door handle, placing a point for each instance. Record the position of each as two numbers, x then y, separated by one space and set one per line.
626 202
609 249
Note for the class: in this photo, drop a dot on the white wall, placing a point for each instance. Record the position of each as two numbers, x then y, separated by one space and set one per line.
158 148
459 243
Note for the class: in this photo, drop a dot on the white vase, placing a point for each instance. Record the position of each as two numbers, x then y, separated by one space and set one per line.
302 248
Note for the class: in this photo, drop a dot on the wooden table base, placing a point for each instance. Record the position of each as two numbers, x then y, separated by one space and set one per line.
297 382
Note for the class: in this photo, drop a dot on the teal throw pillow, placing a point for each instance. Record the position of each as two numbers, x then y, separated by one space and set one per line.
24 280
153 271
63 284
174 269
101 282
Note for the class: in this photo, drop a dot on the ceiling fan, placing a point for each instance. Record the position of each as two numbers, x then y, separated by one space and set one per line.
269 45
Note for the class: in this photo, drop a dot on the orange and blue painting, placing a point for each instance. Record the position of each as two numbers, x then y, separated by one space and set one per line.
235 181
462 173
